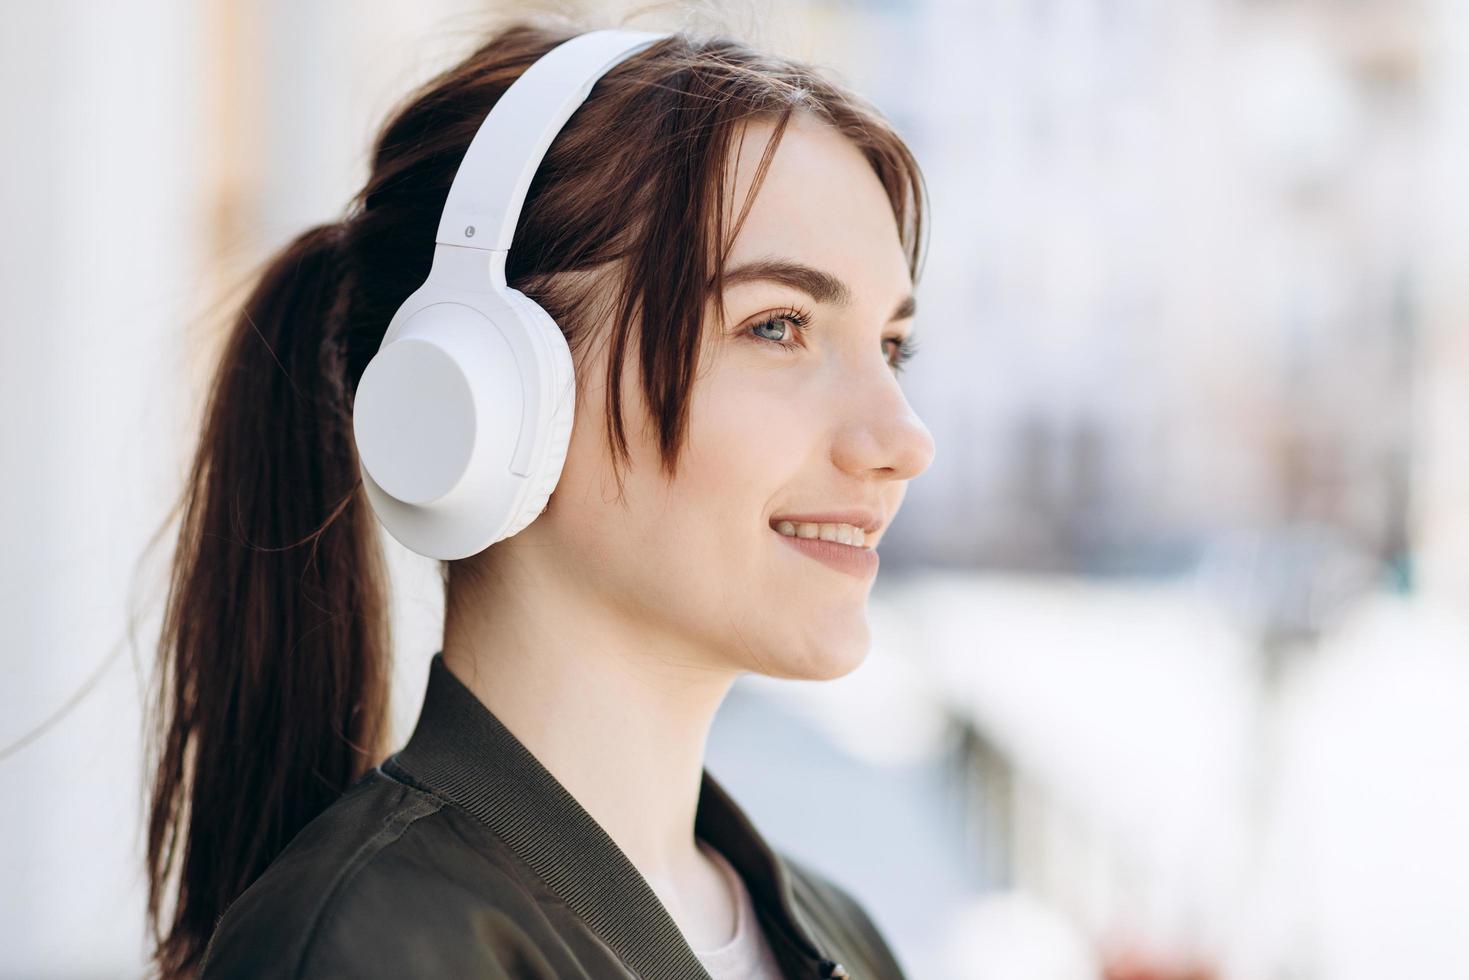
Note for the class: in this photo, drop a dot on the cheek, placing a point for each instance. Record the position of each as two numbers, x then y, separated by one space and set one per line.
740 456
745 445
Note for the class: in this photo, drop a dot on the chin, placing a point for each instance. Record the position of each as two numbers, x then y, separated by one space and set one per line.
831 668
822 659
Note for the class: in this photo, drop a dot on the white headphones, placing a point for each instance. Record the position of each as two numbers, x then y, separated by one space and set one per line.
463 415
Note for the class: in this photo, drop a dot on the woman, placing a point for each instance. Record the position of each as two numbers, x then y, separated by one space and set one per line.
729 242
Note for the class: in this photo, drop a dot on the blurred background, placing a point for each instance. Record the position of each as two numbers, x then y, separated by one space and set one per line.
1171 650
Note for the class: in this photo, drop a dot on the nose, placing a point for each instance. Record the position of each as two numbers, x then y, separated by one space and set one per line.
880 431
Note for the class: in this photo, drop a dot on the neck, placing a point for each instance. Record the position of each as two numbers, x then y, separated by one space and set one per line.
618 712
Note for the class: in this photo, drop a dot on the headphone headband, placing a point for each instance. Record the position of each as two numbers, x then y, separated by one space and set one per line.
490 185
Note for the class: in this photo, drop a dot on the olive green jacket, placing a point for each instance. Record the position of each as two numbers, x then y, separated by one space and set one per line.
462 856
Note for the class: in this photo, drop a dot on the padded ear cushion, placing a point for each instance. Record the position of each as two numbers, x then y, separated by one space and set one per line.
558 438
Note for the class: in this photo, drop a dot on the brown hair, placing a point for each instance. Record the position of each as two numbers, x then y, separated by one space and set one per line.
274 656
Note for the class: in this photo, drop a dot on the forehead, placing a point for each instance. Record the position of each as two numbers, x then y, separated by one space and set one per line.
820 203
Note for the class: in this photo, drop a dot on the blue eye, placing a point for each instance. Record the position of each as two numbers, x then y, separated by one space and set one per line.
796 318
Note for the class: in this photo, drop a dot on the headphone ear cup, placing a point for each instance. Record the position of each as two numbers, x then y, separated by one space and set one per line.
558 438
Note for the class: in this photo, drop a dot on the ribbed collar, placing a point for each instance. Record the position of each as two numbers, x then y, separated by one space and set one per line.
462 751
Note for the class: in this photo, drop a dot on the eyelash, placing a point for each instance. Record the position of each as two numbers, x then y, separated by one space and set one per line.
906 346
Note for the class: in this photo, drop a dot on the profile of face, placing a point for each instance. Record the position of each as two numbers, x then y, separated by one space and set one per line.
785 420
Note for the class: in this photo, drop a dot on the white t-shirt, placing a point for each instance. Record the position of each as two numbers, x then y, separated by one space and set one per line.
747 955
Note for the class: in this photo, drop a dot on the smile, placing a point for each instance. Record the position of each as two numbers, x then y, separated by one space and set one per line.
855 560
848 534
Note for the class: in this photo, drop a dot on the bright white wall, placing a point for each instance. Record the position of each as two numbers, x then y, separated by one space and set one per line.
98 259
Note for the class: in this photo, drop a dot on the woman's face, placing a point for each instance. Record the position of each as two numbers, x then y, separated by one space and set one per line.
817 426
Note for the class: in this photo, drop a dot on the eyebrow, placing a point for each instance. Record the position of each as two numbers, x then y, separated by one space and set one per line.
819 284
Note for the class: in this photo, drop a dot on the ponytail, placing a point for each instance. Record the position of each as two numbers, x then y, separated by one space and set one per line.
273 666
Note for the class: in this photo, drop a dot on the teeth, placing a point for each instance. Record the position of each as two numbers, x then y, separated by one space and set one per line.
841 533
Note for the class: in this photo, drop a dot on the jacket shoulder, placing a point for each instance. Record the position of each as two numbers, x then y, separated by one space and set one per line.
378 884
840 915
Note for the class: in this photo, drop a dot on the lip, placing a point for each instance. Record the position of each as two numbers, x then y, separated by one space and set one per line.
868 520
853 560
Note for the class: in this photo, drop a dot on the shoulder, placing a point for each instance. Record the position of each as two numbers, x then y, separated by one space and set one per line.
839 914
380 883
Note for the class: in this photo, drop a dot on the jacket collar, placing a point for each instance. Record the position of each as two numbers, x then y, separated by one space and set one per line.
462 751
